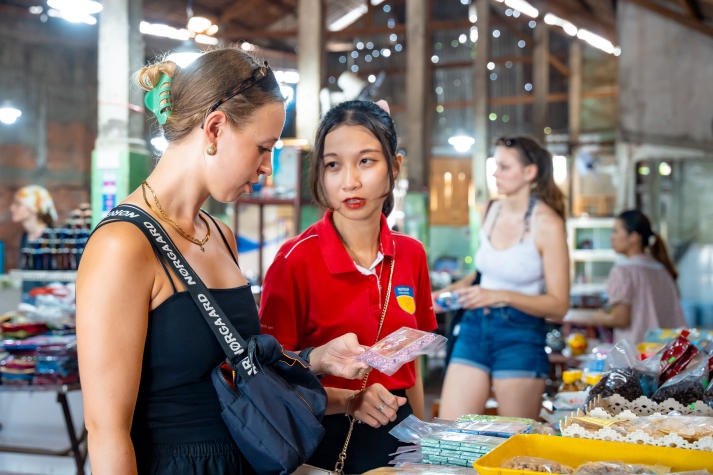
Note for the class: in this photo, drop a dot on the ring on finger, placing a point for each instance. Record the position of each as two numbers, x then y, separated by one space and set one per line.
380 407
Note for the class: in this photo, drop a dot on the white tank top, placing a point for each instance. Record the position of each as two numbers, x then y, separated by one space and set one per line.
517 268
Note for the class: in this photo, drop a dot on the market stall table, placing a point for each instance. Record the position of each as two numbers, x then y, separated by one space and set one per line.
77 441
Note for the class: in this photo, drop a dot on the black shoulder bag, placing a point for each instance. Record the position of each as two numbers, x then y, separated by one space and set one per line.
270 401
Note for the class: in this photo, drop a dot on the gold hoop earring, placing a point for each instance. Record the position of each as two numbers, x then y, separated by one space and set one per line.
212 149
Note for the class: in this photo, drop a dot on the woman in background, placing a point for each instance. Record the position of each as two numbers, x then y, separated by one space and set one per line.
524 263
34 209
641 289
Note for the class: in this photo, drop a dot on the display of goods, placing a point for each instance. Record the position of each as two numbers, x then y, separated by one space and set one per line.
41 359
648 348
687 432
577 343
23 330
663 335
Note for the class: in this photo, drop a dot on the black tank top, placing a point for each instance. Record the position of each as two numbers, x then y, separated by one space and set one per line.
176 401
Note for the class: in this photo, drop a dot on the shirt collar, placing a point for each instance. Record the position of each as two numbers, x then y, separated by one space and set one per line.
372 269
335 254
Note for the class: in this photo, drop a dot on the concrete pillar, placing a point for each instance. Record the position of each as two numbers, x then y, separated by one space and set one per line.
481 103
310 61
417 144
626 172
481 109
120 159
541 80
575 115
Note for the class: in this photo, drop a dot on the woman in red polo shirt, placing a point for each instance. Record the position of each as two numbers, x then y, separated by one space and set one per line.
335 278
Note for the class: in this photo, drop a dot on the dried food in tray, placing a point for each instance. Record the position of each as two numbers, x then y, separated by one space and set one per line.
575 451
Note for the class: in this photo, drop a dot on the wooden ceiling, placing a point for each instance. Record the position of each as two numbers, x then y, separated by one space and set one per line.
277 19
273 23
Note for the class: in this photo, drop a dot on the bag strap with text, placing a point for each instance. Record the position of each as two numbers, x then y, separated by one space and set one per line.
233 344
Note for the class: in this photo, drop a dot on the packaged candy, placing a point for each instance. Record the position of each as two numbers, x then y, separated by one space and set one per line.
676 355
401 346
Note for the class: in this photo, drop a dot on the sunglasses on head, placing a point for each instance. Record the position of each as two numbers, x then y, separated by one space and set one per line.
515 142
258 75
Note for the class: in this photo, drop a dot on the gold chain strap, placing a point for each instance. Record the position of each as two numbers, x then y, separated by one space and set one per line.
339 466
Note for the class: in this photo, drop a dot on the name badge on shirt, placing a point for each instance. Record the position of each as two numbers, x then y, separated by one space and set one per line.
404 297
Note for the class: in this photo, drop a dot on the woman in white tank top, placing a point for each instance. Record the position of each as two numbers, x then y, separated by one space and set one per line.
524 263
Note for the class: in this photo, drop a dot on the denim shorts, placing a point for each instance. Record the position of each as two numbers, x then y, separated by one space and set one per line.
502 341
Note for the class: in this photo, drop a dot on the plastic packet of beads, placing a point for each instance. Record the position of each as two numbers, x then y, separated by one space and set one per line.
626 374
401 346
687 386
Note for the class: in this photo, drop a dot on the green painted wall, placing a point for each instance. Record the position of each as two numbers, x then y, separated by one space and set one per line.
115 174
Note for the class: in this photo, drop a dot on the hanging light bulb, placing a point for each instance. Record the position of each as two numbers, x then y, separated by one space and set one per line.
198 24
75 11
461 143
85 7
9 114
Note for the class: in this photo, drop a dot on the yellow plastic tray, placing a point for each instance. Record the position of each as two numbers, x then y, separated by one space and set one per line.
574 451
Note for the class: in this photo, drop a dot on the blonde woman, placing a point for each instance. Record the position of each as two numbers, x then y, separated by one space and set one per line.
524 263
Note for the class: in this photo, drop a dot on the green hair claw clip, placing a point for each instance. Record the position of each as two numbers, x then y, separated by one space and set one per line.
158 99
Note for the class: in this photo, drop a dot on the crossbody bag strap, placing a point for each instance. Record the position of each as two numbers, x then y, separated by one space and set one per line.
233 344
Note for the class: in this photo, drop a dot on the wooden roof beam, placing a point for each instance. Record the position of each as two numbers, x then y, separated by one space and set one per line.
674 16
602 92
605 27
692 8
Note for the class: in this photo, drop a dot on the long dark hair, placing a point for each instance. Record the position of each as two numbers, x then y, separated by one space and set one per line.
544 186
365 114
636 222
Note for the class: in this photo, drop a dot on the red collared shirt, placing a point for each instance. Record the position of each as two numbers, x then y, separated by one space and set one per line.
313 293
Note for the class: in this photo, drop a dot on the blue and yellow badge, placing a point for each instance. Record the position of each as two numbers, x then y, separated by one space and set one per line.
404 296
